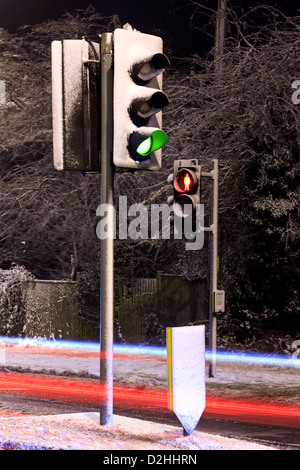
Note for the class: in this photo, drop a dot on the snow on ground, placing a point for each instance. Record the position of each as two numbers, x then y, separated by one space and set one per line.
82 432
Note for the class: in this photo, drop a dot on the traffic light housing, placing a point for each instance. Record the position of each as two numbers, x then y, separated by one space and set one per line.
186 187
138 100
76 106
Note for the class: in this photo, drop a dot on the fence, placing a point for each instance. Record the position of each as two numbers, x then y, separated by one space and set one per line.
150 305
52 311
134 307
142 311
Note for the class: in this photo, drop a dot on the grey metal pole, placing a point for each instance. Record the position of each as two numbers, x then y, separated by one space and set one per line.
214 272
107 244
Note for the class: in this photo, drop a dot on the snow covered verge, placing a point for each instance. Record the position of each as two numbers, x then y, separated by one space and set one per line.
82 431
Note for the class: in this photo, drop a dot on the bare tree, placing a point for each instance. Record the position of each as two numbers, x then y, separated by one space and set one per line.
46 216
248 121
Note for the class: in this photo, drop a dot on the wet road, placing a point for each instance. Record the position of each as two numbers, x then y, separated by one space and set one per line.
21 402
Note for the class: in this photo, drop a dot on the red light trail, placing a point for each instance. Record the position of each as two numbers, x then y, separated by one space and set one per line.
88 392
73 353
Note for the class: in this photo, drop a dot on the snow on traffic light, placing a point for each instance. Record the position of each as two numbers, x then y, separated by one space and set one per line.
138 100
76 105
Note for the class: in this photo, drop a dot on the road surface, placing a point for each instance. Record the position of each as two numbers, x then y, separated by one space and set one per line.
37 394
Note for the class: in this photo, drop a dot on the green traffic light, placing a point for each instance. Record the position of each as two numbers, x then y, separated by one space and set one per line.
154 142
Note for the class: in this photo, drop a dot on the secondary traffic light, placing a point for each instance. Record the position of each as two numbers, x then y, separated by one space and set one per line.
76 105
186 185
138 100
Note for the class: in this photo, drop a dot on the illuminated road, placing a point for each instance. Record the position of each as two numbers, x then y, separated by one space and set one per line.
253 397
244 418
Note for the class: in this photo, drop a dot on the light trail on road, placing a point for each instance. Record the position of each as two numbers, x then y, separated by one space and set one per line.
88 392
91 349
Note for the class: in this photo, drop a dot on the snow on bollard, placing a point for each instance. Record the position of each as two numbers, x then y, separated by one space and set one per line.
186 374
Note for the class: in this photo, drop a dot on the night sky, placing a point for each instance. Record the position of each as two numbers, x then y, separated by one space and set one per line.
15 13
140 13
143 15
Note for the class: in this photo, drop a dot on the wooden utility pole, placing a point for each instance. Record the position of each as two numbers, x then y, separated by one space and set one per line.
219 51
220 35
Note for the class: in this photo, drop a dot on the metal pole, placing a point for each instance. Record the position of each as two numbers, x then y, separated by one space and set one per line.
213 272
107 244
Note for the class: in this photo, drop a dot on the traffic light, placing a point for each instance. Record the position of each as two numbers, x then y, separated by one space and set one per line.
76 106
186 186
138 100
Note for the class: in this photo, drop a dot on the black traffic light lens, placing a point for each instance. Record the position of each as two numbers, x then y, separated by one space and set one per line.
143 72
185 181
182 204
142 109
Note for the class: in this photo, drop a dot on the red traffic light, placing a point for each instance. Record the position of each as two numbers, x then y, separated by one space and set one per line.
185 181
186 187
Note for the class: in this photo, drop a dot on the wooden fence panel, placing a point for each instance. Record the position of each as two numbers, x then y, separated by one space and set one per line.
172 300
52 311
143 310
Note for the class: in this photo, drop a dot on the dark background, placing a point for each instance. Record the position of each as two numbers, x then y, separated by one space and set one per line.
171 16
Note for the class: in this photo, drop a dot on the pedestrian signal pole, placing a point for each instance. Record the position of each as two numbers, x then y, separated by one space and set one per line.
216 296
120 100
213 272
131 137
107 244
